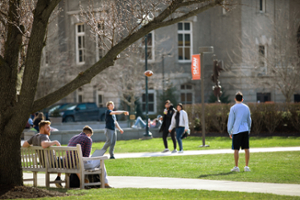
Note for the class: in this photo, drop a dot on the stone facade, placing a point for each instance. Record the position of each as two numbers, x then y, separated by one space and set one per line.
227 31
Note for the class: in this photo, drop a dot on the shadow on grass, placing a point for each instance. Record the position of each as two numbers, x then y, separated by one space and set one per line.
219 174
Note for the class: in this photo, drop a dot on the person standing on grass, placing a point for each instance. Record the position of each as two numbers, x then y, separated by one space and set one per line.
239 126
179 121
168 113
110 128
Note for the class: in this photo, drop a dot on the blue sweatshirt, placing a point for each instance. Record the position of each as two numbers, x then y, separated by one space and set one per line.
239 119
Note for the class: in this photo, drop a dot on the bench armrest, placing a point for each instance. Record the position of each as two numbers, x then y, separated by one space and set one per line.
95 158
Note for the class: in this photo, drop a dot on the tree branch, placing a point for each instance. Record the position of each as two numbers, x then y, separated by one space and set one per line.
108 60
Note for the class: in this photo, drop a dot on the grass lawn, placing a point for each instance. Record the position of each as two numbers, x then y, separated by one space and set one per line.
192 143
129 193
276 167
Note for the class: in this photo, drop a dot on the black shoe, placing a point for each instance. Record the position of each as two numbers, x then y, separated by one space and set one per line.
58 184
112 157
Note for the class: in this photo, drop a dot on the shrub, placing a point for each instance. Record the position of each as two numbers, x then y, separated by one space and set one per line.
272 116
257 117
294 117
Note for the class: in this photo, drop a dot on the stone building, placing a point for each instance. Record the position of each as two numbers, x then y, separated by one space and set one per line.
250 24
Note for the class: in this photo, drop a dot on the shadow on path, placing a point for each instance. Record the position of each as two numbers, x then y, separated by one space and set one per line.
219 174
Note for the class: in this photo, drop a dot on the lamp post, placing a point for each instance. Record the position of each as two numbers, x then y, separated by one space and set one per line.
202 50
146 20
163 71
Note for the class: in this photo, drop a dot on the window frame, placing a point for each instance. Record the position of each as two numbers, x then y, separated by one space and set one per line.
142 46
262 8
152 91
98 46
191 41
264 57
185 91
77 35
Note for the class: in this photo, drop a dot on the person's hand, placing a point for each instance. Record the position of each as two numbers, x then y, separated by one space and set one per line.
185 130
121 131
170 131
126 113
230 136
57 143
165 111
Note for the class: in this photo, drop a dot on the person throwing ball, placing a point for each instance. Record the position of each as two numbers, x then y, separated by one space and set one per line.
110 128
239 125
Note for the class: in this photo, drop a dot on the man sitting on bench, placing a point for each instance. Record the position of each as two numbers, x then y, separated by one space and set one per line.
85 141
42 139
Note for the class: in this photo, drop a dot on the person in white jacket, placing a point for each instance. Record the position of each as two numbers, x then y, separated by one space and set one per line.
179 121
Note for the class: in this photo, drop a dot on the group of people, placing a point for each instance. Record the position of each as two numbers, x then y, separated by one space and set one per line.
174 122
84 139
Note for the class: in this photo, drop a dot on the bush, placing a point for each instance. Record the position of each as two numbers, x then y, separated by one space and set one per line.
265 117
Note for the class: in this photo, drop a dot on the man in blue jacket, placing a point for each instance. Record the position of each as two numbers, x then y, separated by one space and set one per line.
239 125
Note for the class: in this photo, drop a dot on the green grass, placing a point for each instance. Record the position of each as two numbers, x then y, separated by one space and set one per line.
130 193
192 143
278 167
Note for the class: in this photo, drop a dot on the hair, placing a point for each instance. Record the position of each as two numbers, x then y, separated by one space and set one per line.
40 116
88 128
108 103
43 123
239 96
180 104
168 101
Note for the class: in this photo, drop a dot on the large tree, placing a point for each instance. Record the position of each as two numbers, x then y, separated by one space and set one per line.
23 27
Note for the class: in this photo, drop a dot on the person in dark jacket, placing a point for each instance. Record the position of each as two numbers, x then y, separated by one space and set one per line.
168 113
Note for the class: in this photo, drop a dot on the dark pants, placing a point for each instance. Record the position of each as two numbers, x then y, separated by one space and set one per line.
165 135
179 132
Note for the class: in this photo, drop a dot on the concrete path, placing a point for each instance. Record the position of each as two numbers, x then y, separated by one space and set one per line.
184 183
203 152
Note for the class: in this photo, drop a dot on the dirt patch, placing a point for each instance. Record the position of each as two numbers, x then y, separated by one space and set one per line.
9 192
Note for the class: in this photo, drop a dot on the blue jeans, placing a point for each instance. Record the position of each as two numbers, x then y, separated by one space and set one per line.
179 132
140 122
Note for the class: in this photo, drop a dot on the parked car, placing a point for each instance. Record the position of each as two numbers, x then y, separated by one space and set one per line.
58 111
83 112
52 108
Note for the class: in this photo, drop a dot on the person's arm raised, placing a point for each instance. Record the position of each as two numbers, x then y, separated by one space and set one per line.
119 112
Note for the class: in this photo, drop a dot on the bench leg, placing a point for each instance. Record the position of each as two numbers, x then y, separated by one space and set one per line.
67 180
34 179
47 179
102 179
82 181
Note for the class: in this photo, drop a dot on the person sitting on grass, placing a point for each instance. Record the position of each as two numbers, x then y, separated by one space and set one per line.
85 141
42 139
155 123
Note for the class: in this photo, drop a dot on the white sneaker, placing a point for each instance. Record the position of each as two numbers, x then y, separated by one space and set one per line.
235 169
174 151
247 169
133 126
166 150
181 151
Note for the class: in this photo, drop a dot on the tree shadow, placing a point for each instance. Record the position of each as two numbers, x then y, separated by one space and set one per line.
219 174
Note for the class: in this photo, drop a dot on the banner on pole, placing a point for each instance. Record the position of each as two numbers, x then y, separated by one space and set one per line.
196 67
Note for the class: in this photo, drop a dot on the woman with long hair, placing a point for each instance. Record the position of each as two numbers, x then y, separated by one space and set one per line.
180 122
38 118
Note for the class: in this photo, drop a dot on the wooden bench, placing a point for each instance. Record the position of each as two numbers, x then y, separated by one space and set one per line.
36 159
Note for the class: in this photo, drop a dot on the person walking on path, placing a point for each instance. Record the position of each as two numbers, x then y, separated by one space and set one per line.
85 141
110 128
179 121
168 113
239 126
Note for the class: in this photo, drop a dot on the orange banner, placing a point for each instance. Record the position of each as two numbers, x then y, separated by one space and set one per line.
196 67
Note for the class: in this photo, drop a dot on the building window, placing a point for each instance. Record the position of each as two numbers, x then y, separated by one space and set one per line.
185 41
150 47
151 102
262 5
79 95
186 95
263 97
80 44
262 55
100 42
297 98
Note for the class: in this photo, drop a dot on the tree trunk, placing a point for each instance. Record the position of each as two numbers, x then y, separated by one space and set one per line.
10 167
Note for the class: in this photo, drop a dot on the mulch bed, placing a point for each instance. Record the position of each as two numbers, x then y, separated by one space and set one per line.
15 192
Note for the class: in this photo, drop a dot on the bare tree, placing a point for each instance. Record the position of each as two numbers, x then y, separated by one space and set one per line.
24 30
272 60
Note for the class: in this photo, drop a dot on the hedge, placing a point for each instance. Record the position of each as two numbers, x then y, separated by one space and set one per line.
266 118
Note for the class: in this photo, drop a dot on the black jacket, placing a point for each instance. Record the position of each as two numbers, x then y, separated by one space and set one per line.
167 119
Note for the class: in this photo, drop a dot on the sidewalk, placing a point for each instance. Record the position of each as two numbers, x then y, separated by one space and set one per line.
184 183
203 152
